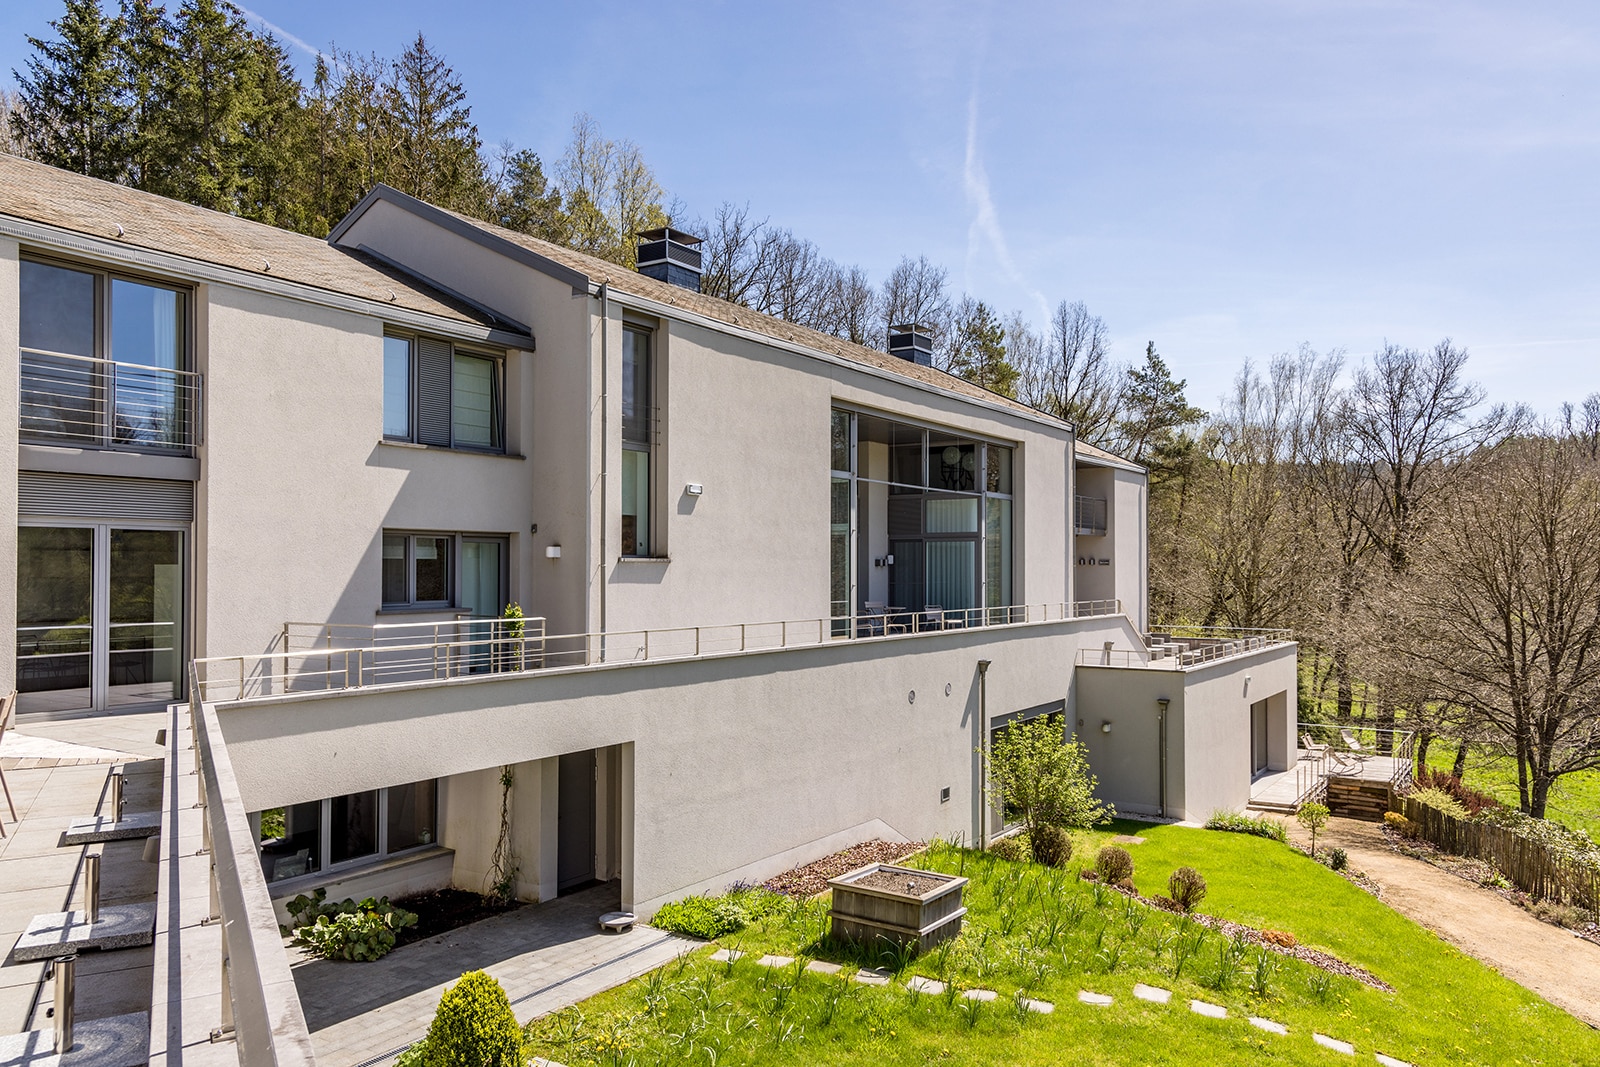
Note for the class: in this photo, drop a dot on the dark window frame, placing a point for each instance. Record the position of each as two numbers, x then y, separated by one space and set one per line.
414 388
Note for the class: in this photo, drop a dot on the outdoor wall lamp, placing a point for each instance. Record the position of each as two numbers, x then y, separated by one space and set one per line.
694 489
552 552
1105 727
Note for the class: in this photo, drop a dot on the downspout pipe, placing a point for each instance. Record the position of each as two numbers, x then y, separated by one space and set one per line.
983 753
605 442
1161 731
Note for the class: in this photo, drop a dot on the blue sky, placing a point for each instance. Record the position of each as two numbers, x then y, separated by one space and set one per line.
1228 179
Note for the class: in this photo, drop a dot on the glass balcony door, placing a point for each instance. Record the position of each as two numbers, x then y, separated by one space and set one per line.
100 617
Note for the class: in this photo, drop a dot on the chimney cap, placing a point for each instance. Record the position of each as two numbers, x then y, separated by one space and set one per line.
667 233
912 327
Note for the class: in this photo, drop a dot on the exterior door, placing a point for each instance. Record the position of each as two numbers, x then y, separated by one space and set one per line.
1258 737
575 820
482 597
100 617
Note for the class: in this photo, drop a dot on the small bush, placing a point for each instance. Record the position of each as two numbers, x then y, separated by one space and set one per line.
349 930
474 1027
1114 865
1400 824
1439 800
1187 888
1234 822
709 918
1469 798
1012 849
1561 914
1052 846
1281 938
1338 859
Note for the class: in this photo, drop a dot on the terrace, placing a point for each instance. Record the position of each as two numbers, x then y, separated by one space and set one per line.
1178 649
1330 759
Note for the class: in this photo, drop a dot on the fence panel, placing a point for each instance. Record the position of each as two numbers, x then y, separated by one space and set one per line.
1530 865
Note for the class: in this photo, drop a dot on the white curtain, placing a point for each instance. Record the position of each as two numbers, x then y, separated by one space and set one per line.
952 574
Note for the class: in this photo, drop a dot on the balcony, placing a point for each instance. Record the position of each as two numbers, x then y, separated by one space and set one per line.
1182 649
82 402
1088 516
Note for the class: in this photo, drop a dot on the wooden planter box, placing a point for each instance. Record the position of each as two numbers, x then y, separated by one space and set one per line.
904 905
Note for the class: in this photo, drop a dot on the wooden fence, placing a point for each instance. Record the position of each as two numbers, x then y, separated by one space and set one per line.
1530 865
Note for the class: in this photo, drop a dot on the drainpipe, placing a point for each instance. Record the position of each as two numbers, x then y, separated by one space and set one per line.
983 753
1161 724
605 443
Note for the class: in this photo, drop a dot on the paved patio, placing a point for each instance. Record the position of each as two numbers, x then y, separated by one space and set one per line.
546 957
1278 790
57 772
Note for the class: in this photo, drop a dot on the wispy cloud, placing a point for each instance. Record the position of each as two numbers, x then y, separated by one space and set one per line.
279 31
985 228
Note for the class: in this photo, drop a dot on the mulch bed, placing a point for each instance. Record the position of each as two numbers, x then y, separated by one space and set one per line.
811 879
1331 964
444 910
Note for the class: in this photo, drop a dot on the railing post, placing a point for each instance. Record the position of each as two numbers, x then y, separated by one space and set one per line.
91 888
116 795
697 640
66 992
1106 658
225 1010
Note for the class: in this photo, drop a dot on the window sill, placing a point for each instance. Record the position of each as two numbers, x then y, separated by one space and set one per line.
644 559
367 865
444 609
454 451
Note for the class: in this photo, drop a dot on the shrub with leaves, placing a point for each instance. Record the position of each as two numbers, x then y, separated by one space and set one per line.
709 918
1399 824
1052 846
1439 800
1235 822
1187 888
349 930
1474 801
1043 777
1013 849
474 1027
1114 865
1338 859
1281 938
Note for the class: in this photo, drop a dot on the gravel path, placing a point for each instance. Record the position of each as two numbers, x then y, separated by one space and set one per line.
1552 962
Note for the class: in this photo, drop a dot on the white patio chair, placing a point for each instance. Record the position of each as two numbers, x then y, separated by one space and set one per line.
1312 749
1352 744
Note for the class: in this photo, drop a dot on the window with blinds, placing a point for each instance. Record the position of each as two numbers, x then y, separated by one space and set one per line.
437 394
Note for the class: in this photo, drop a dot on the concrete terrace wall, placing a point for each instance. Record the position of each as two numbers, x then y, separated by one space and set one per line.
741 765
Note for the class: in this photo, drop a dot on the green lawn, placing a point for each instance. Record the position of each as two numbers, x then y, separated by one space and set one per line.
1574 800
1047 934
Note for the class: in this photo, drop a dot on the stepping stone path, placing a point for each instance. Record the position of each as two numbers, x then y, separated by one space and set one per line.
1390 1061
1043 1007
1268 1025
724 955
775 961
1099 1000
1334 1043
823 967
980 994
872 976
1210 1011
1154 994
925 985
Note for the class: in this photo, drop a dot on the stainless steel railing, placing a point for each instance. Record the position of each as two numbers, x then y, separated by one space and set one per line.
81 400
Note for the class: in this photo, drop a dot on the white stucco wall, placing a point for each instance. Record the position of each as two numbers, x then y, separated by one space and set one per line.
741 765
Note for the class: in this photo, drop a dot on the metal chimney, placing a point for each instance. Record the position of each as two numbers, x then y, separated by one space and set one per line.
912 342
671 256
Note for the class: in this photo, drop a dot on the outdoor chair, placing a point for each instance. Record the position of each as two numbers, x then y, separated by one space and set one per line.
876 623
1347 763
934 617
1312 749
1351 743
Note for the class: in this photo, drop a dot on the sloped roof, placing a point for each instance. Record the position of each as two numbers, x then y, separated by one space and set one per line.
621 279
1086 451
37 193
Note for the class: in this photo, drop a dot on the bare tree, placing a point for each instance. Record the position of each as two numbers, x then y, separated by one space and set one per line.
10 136
731 252
915 291
1582 424
1025 349
1507 602
851 305
1086 386
610 191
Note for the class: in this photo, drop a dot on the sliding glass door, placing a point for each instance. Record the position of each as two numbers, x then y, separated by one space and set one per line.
100 617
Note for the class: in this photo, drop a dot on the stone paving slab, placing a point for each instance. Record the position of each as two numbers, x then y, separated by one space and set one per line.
1210 1011
119 926
823 967
1154 994
1334 1043
920 984
872 976
724 955
1042 1007
1268 1025
984 995
103 828
1390 1061
1099 1000
118 1041
775 961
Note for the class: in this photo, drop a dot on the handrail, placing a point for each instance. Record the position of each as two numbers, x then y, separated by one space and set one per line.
259 1003
412 652
1181 655
71 397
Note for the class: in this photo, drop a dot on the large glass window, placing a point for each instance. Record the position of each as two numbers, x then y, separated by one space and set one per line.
352 826
411 815
638 441
122 385
303 839
418 570
55 598
437 394
146 626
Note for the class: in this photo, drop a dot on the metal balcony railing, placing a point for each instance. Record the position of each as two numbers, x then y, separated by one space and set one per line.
1088 516
1196 647
81 401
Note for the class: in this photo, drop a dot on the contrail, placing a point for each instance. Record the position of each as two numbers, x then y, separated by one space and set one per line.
279 31
985 219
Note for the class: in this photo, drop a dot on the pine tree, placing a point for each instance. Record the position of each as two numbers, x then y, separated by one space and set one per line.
436 142
73 114
1155 407
273 124
144 60
978 349
524 200
212 93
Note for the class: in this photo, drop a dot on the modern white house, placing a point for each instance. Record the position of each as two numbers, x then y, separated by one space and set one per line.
777 588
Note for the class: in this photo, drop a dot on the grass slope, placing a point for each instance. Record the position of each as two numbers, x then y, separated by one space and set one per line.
1046 934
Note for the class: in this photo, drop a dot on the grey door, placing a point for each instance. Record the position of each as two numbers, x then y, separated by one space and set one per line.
575 820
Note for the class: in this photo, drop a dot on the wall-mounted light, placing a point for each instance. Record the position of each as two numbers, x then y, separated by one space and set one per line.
883 561
1105 727
694 489
552 552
